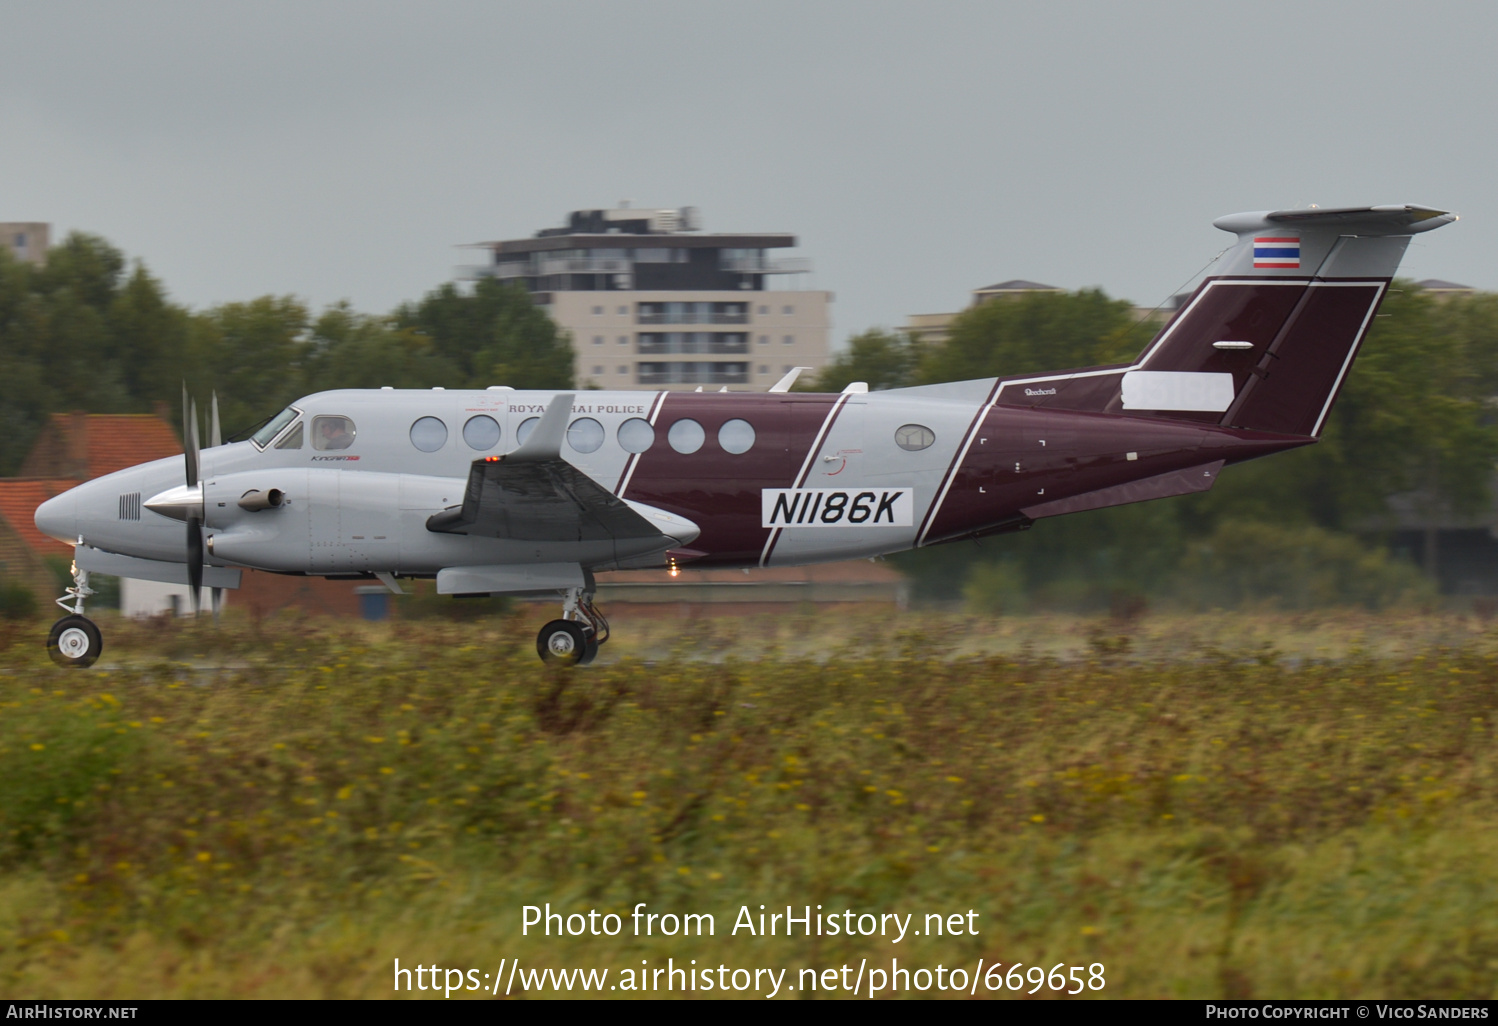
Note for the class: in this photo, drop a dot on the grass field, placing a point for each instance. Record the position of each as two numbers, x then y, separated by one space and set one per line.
1215 806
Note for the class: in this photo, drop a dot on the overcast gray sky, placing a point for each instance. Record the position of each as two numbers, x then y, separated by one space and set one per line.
342 149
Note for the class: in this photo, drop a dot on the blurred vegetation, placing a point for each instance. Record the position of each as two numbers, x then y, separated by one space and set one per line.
16 600
288 817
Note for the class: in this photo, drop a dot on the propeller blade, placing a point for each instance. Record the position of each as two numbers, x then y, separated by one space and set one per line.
215 437
218 601
190 443
195 562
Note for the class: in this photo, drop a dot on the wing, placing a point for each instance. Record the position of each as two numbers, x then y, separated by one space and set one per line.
540 501
534 495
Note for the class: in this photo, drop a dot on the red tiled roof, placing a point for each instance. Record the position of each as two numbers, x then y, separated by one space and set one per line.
117 441
19 498
88 445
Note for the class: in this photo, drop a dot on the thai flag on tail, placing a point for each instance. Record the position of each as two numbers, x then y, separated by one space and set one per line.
1277 251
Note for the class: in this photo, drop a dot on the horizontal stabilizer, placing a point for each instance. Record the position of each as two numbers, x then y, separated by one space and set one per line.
1176 482
1390 219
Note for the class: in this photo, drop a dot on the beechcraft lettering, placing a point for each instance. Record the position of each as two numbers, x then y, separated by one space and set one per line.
496 492
836 507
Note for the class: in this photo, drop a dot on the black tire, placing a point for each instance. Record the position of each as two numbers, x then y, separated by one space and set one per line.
562 643
590 650
74 641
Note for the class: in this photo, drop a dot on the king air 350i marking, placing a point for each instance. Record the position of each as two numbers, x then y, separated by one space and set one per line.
505 492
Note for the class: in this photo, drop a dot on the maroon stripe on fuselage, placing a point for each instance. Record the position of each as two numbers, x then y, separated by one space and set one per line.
1027 457
720 491
629 464
837 407
946 478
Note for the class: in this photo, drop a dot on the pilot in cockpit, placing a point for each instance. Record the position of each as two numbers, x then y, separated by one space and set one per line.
334 433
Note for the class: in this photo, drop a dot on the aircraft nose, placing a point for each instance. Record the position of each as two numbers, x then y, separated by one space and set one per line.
58 517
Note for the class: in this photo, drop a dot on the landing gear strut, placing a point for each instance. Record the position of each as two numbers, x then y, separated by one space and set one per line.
574 639
75 640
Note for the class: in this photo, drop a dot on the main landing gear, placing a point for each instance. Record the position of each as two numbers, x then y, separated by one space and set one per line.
574 639
75 640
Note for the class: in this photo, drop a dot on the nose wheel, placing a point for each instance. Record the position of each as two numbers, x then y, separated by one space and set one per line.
574 639
75 639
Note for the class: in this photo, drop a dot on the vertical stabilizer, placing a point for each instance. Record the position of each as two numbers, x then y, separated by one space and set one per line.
1267 342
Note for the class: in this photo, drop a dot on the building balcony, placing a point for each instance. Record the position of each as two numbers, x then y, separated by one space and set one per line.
693 374
725 344
538 268
777 265
691 317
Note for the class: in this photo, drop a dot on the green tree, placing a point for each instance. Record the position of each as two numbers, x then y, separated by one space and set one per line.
1040 331
354 350
495 335
884 359
149 340
253 354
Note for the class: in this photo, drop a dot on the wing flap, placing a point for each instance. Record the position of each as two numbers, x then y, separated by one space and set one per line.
541 501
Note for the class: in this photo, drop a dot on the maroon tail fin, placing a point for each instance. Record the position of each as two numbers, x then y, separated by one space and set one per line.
1267 343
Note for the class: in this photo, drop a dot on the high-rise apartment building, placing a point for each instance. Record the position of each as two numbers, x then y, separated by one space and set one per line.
653 302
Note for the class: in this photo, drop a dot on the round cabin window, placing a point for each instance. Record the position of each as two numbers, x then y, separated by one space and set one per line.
481 432
636 435
914 437
524 430
686 436
736 436
429 434
585 434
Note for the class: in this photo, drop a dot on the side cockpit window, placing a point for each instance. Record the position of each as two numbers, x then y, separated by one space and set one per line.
330 433
275 426
293 439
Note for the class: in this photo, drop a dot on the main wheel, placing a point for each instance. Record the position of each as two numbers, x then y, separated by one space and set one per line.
74 641
590 650
562 642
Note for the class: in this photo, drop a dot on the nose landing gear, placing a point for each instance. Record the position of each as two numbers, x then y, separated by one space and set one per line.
574 639
75 640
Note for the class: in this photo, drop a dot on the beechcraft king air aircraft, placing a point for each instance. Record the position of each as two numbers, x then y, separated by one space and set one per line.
508 492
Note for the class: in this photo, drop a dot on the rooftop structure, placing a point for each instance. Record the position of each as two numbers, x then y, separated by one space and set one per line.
653 302
1444 289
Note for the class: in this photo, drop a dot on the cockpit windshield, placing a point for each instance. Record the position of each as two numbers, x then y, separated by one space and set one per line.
273 427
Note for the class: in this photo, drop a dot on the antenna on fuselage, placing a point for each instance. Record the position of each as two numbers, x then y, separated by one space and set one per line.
785 383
